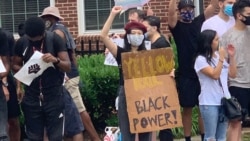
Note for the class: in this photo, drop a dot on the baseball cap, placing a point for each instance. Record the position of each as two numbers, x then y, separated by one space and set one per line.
185 3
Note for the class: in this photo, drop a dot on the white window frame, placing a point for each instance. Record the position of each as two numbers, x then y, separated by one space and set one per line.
16 36
81 22
197 7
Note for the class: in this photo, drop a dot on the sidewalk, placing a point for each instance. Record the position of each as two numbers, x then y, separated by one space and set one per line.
245 136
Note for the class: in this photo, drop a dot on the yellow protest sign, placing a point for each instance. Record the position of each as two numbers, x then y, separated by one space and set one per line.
151 95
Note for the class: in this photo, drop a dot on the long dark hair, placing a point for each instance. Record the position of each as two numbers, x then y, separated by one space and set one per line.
205 40
127 45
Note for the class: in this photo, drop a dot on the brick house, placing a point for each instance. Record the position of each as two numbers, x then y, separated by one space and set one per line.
84 18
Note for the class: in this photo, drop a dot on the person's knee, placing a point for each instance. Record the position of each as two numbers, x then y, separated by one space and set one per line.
235 124
85 115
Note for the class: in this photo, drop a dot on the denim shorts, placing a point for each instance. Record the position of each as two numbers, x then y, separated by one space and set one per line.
73 121
215 124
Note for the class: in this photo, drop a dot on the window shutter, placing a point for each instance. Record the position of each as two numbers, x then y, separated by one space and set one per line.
97 12
14 12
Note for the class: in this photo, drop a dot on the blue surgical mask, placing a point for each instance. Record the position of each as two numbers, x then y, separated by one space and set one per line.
135 40
228 9
187 16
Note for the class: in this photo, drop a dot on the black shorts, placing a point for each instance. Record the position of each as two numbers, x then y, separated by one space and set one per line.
13 106
243 97
73 122
49 116
188 91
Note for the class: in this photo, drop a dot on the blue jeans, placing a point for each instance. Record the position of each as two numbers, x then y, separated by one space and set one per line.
3 116
215 128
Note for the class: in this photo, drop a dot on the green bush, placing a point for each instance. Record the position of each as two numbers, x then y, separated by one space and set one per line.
179 132
173 45
99 90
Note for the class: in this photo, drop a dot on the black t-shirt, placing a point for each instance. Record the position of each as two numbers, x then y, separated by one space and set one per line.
161 42
4 46
185 36
11 42
119 62
52 78
10 46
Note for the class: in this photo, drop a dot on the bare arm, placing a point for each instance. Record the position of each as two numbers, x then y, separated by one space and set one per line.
212 72
232 62
17 64
172 14
232 67
112 47
61 34
211 9
62 60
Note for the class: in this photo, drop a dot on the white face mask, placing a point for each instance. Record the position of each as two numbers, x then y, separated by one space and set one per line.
135 40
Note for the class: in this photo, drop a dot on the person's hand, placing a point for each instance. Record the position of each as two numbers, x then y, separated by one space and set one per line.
116 9
222 53
172 73
231 50
47 57
20 94
106 52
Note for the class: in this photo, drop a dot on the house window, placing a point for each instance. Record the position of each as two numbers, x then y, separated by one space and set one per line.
96 12
14 12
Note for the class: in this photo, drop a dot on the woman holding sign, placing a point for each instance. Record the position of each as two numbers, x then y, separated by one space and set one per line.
133 42
213 69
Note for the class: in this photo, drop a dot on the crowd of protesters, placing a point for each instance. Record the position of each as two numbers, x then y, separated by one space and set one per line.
212 56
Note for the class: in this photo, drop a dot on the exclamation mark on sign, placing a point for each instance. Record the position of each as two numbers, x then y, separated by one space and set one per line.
174 114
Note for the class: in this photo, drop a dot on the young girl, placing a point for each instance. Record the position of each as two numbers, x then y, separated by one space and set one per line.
133 42
213 69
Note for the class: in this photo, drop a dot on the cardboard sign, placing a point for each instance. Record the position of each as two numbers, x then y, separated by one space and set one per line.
151 95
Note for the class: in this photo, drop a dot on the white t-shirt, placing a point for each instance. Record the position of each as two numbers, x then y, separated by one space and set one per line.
218 24
211 91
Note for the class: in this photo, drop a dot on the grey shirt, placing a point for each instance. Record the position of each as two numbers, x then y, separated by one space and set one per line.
241 41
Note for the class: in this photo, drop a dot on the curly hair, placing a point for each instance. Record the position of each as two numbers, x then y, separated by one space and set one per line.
34 27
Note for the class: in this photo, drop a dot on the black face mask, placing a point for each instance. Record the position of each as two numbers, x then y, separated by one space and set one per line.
36 44
247 20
